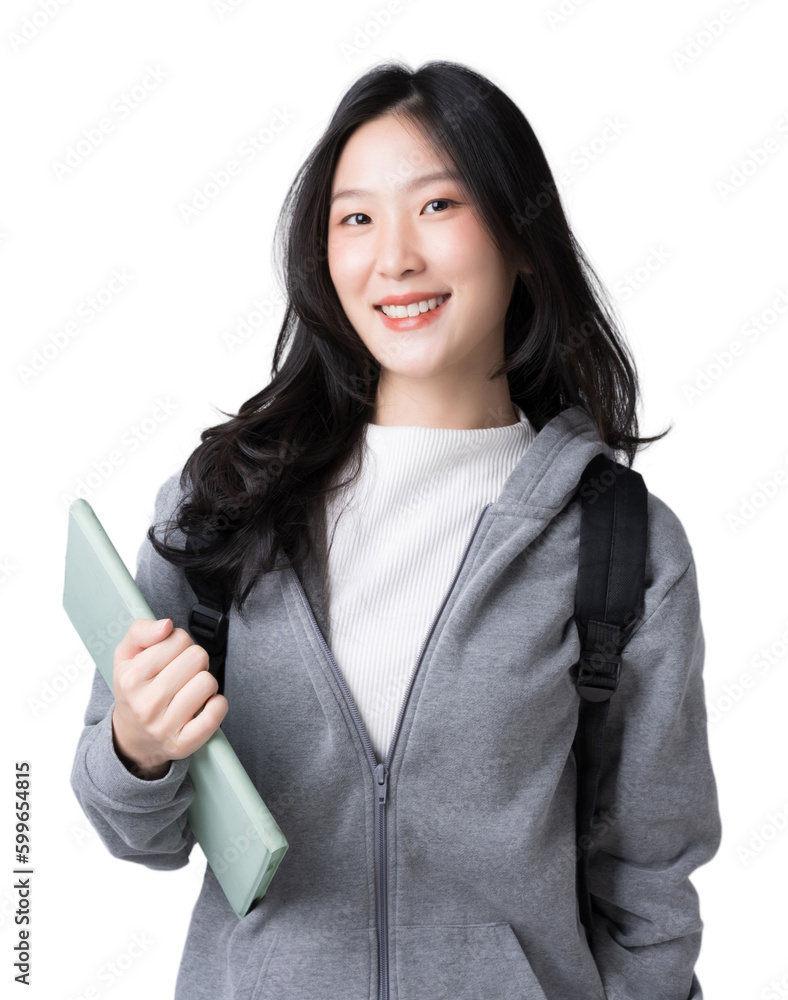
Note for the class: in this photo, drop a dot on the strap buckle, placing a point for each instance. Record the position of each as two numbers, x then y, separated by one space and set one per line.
594 683
208 623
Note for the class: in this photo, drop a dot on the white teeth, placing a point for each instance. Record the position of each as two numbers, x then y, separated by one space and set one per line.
426 305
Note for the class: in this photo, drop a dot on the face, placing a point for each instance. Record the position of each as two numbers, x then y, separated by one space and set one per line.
403 237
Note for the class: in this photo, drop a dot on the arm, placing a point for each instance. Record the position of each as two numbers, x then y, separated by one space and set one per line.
137 819
657 817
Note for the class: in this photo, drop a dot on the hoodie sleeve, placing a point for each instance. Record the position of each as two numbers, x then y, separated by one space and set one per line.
136 819
657 818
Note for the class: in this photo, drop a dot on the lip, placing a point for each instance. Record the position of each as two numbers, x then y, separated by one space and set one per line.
409 323
405 300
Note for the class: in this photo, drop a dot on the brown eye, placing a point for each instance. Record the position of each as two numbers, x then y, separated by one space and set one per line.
355 215
445 201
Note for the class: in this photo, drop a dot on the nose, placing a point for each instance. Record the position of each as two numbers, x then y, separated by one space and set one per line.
397 250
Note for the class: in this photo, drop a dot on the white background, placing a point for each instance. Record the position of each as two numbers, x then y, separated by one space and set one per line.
659 185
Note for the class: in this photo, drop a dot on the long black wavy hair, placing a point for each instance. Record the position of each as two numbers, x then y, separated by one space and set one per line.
255 487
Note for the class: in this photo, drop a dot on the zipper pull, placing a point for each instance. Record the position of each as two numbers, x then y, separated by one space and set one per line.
382 779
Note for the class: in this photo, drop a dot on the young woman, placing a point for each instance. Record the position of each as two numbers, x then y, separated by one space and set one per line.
395 515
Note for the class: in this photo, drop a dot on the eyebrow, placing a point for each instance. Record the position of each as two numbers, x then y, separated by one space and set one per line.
411 185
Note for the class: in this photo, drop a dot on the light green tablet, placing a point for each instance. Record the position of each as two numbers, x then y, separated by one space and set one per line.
238 835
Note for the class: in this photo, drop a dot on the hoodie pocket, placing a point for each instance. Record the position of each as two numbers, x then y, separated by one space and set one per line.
249 948
307 961
463 962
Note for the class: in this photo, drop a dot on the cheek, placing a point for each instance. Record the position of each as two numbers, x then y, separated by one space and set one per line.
347 262
462 251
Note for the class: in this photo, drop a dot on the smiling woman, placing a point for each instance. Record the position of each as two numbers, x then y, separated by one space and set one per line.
405 697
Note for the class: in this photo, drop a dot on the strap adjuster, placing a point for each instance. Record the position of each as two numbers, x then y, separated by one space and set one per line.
208 623
594 683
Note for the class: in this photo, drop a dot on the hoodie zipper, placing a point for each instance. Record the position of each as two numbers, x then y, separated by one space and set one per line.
380 770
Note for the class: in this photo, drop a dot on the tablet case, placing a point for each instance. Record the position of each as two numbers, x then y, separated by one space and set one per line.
101 597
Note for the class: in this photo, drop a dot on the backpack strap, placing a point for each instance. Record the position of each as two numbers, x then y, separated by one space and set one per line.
209 616
608 605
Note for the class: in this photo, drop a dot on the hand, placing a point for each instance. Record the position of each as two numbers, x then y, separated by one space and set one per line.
166 701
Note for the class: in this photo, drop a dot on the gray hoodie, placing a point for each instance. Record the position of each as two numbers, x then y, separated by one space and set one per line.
447 871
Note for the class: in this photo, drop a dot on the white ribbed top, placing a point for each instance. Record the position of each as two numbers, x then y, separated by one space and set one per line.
403 529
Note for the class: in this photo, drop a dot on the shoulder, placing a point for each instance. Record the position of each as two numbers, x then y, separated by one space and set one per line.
171 490
169 495
669 554
669 544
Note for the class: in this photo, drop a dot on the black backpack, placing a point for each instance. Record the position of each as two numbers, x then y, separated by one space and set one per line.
608 605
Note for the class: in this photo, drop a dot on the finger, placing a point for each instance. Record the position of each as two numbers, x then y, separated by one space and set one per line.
174 675
198 729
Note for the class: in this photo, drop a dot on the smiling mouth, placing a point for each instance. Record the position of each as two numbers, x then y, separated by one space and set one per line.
438 300
419 321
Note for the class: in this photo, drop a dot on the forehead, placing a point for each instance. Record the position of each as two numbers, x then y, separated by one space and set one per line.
386 156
